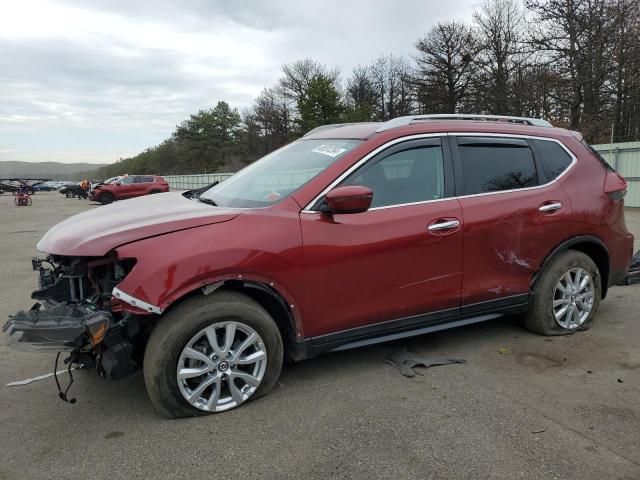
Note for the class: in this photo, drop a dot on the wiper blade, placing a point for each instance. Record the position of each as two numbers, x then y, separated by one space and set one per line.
208 201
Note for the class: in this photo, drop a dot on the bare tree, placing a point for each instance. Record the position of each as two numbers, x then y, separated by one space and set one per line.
360 95
391 77
501 27
445 67
298 76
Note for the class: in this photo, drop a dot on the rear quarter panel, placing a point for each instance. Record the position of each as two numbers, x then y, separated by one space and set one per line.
594 213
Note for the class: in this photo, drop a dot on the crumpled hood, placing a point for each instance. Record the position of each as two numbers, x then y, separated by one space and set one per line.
100 230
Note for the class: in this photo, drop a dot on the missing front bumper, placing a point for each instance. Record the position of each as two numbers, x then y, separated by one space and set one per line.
63 327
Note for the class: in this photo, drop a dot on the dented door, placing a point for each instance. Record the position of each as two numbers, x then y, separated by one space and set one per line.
509 232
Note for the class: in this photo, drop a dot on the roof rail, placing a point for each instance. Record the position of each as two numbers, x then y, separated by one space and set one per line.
331 126
408 120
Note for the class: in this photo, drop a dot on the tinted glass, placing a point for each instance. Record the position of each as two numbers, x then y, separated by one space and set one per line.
144 179
407 176
493 165
553 158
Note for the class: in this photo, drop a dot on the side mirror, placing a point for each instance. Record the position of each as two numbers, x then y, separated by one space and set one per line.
353 199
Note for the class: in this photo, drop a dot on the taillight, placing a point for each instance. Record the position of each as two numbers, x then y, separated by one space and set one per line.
615 186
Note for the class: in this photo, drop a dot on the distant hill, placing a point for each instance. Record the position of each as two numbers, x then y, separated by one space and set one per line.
52 170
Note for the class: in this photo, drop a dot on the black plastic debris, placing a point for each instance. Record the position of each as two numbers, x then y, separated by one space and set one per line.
406 361
633 274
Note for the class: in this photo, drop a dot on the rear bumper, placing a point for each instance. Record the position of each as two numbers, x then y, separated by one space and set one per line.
64 327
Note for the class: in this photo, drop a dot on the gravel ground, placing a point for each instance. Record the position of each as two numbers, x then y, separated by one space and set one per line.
523 406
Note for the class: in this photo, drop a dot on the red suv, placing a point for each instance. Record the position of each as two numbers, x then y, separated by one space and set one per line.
352 235
129 187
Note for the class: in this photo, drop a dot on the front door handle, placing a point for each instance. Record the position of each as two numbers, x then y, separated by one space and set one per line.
446 225
550 207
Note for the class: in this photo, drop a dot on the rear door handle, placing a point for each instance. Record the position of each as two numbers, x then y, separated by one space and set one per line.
446 225
550 207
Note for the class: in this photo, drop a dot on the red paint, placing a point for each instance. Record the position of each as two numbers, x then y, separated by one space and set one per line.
340 271
96 232
354 199
122 191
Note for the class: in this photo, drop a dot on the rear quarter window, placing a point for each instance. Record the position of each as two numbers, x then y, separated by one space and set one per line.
552 159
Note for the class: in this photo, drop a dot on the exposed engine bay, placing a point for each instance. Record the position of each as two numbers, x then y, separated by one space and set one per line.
77 313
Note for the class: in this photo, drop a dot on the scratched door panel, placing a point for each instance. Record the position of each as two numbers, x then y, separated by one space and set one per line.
506 235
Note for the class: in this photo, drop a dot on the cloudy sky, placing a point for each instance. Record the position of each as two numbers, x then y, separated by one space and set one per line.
93 81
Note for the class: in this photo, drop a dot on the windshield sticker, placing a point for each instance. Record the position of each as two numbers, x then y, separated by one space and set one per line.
329 150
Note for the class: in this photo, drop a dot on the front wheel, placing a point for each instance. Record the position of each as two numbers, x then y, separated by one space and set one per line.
106 198
566 296
211 354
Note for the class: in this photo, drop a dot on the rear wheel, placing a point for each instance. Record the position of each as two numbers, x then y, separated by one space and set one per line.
154 191
566 296
212 354
69 194
106 198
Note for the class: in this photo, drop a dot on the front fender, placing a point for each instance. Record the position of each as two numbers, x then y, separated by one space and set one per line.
251 247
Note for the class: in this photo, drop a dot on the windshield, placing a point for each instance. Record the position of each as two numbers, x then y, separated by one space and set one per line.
278 174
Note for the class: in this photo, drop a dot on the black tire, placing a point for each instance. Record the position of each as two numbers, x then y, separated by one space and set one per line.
540 318
106 198
152 192
69 194
184 321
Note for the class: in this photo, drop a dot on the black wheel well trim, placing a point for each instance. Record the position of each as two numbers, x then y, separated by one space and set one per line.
570 244
268 298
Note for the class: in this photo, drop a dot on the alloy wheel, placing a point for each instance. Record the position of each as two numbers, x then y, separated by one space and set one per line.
573 298
221 366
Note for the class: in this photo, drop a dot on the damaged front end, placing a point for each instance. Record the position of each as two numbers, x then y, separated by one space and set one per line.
77 313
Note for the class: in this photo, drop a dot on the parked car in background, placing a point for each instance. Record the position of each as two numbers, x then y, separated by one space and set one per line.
129 186
44 187
104 182
73 190
353 235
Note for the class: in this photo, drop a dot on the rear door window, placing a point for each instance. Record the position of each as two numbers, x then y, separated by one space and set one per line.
144 179
495 164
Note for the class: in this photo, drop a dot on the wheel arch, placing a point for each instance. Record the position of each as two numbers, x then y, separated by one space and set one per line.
590 246
266 294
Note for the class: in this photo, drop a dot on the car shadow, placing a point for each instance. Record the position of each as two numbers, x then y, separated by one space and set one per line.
128 396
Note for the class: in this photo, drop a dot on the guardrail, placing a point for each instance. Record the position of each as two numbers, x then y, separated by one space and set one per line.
190 182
